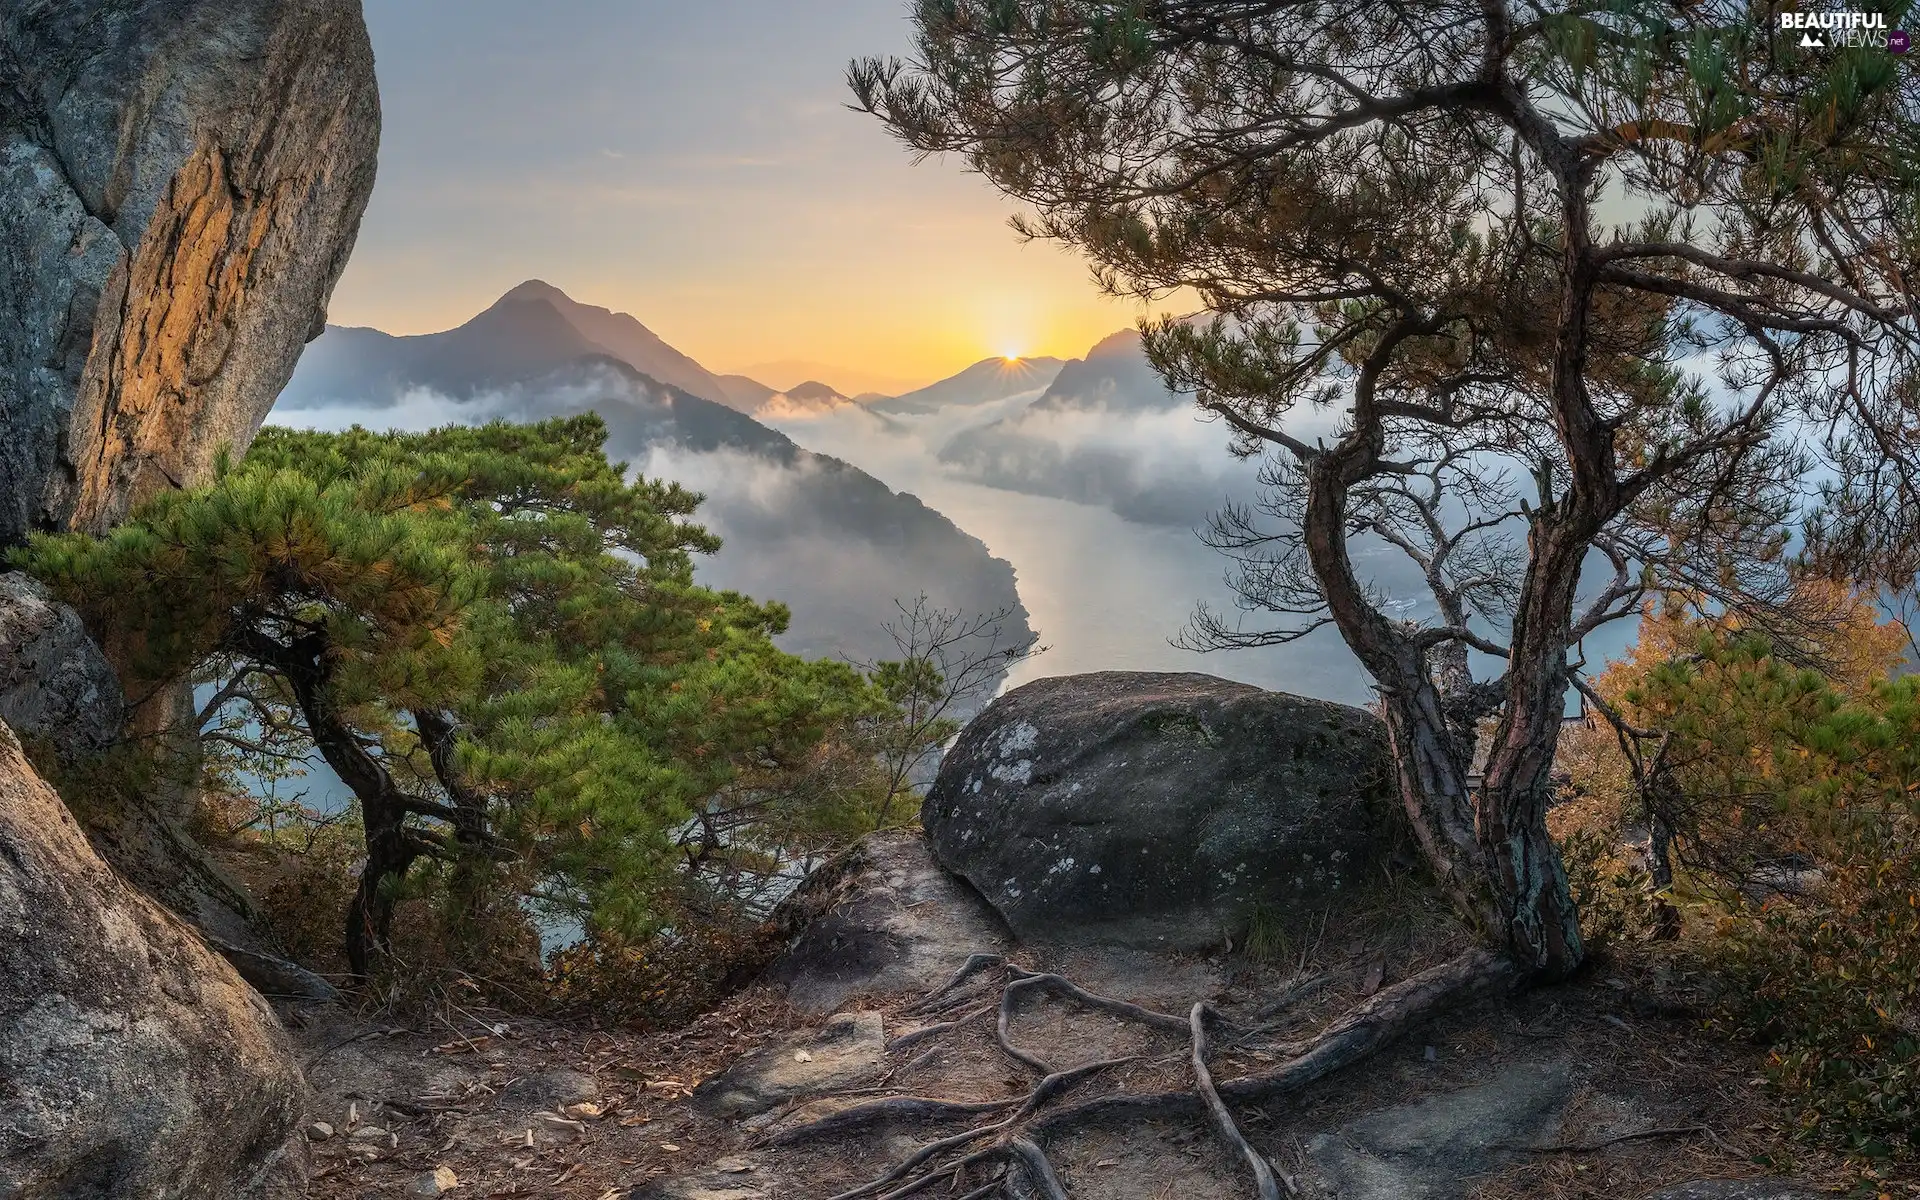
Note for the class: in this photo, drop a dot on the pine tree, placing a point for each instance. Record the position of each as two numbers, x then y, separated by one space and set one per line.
1517 289
491 637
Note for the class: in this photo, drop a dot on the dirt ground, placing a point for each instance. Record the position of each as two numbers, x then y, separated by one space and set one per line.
517 1108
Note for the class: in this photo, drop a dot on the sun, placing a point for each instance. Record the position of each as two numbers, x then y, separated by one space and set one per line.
1010 357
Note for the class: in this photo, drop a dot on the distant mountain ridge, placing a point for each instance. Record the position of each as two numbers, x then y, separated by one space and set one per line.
809 399
833 542
1083 438
533 329
787 374
984 382
1115 376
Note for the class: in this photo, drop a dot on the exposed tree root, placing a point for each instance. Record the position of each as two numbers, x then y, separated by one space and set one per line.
1054 1084
890 1108
941 996
990 1188
1024 982
1263 1177
1673 1131
930 1031
1014 1141
1039 1170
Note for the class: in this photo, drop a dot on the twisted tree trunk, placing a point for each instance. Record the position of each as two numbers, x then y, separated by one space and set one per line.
1488 845
392 848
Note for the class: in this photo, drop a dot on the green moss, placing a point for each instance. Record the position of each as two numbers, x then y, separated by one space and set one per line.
1180 726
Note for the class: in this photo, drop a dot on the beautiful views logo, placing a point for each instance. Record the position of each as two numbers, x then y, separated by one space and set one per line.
1845 29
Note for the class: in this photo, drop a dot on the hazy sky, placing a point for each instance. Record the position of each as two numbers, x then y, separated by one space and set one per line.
692 163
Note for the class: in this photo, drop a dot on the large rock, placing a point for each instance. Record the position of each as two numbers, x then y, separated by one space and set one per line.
1161 810
133 1061
59 693
180 184
55 684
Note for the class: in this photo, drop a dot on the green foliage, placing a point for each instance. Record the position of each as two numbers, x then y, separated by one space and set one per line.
1787 774
1618 903
1774 761
494 638
1266 939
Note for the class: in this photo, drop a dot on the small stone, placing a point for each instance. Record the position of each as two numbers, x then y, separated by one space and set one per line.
319 1131
802 1056
369 1133
436 1182
669 1147
734 1166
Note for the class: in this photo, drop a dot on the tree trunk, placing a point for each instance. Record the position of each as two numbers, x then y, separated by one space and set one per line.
1433 790
306 663
1541 923
1538 915
440 734
1489 847
369 926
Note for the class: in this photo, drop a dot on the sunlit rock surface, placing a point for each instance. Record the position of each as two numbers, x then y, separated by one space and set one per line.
180 185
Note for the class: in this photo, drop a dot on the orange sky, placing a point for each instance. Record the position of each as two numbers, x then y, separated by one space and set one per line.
696 166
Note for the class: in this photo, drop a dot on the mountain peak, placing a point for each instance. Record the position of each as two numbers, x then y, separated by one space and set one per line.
984 382
1123 341
622 336
814 391
537 289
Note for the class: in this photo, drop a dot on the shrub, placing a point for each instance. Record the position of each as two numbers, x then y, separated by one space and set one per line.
1831 982
1799 818
662 982
1618 901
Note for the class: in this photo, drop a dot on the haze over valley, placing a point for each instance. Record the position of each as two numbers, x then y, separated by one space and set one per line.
831 541
1068 490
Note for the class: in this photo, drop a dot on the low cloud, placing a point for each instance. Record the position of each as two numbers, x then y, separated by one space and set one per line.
413 411
831 542
1159 466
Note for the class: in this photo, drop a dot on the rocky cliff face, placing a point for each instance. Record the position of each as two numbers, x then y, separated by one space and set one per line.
133 1061
55 684
180 184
